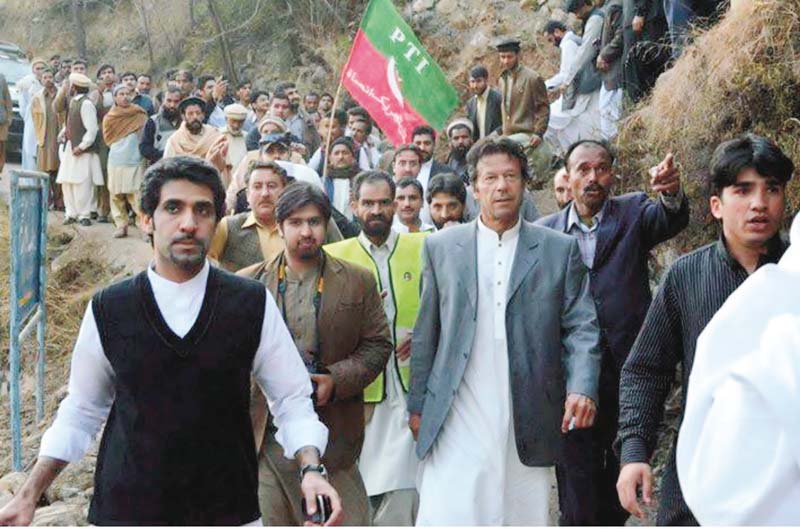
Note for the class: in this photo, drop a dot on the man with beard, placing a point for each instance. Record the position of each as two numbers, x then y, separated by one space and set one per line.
80 169
341 171
299 124
361 132
258 107
311 104
447 199
312 286
459 132
387 462
63 71
122 128
235 116
325 104
160 127
46 123
212 91
249 237
193 137
485 107
747 185
561 190
408 201
615 236
165 360
185 81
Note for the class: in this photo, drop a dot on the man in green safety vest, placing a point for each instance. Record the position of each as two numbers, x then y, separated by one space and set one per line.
388 464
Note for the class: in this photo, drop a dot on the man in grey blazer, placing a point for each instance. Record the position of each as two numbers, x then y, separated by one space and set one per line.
505 356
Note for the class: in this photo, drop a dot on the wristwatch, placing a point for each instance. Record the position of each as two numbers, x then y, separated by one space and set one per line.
314 468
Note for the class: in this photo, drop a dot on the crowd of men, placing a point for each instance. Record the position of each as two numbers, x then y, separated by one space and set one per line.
331 316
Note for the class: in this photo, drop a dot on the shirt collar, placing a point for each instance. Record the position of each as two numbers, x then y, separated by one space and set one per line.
573 219
198 282
388 244
251 220
508 235
775 249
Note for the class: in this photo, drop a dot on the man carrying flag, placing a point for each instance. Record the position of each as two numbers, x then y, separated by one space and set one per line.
391 75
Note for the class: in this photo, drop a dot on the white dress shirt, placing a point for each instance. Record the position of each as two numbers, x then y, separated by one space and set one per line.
473 474
277 368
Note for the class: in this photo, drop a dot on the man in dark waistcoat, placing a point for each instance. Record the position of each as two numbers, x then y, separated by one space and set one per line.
165 359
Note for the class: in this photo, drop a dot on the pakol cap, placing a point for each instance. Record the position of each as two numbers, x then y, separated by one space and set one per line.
507 44
235 111
79 80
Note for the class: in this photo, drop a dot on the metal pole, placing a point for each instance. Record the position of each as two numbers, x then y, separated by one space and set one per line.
13 351
42 326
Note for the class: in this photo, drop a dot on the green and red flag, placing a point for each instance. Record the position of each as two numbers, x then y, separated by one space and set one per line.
391 75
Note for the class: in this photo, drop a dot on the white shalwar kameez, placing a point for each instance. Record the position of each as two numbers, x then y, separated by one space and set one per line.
473 474
28 87
79 174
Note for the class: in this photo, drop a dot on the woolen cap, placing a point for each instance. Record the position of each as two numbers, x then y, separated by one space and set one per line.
235 111
507 44
79 80
272 119
191 100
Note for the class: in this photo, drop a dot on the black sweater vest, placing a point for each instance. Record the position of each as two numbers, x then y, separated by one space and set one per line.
178 446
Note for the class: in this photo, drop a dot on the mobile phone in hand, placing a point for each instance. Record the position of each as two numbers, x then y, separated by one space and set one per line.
323 510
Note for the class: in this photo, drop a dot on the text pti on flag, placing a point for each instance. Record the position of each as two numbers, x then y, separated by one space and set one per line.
391 74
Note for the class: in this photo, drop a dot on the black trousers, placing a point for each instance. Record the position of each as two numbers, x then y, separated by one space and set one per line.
588 468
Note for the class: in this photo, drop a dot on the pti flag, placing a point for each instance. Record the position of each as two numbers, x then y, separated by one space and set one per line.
392 76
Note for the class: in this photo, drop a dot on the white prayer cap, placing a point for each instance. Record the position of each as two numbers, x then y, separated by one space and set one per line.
79 80
235 111
461 122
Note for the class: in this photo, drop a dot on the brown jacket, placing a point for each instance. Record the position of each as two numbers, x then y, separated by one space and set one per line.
529 108
355 345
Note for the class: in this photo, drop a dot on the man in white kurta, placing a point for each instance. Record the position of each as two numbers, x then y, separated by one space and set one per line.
79 173
487 483
28 86
388 464
738 454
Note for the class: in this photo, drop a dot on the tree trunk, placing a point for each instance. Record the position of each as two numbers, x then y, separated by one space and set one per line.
227 57
146 26
192 20
80 32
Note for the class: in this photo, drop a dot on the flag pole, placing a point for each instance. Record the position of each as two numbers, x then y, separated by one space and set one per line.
330 128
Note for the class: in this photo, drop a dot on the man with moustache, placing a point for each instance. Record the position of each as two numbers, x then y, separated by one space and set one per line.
447 200
252 236
459 132
747 185
325 104
424 137
61 102
320 298
561 189
165 360
615 236
342 169
408 204
160 127
278 108
193 137
387 461
235 116
505 356
298 122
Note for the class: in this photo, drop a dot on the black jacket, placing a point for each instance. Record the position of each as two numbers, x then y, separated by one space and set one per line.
494 113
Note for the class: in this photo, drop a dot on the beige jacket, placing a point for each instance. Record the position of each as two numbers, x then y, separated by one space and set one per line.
528 110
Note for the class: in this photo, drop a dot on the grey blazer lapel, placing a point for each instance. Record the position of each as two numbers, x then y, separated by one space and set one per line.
525 259
467 248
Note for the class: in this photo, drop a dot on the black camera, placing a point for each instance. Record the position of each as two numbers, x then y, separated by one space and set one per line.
315 367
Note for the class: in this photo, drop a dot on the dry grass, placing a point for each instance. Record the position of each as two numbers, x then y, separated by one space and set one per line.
743 75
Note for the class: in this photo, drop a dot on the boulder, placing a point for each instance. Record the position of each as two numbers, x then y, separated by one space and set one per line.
447 7
11 483
59 514
422 5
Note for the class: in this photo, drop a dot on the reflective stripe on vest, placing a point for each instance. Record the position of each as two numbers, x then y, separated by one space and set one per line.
405 274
